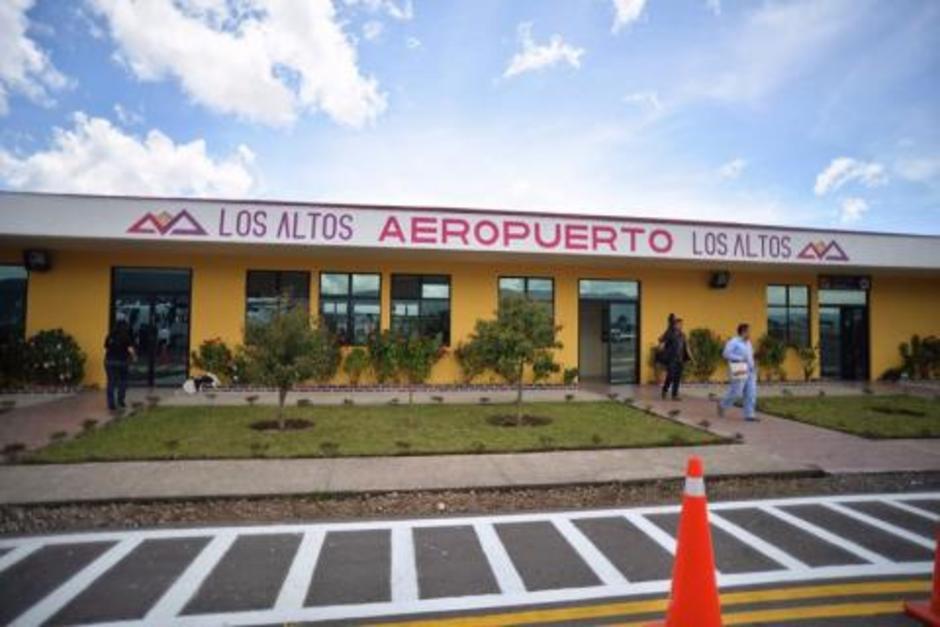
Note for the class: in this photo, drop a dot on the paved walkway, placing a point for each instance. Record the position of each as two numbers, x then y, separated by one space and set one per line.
35 419
803 444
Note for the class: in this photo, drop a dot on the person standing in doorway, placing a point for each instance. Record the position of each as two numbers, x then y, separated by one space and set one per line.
739 354
118 352
675 352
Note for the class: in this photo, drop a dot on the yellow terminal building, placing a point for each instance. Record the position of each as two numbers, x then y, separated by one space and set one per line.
182 271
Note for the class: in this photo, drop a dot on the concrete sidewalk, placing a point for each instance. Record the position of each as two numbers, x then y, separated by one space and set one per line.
196 479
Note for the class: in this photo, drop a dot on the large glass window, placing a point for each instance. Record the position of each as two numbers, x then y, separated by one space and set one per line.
421 305
13 280
788 313
537 289
350 305
268 289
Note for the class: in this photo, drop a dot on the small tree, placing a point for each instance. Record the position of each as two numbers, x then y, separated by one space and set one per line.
808 356
356 363
287 350
415 357
770 355
706 346
521 335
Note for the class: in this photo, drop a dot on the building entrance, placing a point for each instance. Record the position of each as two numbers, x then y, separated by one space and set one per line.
608 330
155 302
843 334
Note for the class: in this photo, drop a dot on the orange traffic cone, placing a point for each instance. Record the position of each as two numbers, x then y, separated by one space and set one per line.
928 612
694 598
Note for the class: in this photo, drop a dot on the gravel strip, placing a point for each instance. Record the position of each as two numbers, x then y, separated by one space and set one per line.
17 520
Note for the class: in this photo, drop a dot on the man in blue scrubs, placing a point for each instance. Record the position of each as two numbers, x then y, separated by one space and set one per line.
738 350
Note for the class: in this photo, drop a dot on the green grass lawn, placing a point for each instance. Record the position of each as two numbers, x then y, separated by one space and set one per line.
224 432
868 416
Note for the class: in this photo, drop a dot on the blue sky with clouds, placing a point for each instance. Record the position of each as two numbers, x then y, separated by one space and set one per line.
822 113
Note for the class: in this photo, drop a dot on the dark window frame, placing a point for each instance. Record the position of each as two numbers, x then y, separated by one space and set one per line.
525 289
788 308
445 340
278 274
25 315
350 301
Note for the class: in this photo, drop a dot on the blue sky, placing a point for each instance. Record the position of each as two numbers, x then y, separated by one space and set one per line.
820 113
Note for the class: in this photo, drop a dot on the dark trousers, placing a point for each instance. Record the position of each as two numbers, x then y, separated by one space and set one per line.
116 372
673 378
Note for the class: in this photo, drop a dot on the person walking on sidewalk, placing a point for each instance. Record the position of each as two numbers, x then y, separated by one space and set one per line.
119 350
674 349
739 354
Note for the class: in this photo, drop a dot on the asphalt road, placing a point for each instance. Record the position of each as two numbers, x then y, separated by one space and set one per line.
843 560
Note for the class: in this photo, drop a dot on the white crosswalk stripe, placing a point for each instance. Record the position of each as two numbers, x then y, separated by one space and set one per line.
404 565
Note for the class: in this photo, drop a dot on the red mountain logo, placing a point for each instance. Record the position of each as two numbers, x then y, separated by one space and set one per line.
166 223
823 251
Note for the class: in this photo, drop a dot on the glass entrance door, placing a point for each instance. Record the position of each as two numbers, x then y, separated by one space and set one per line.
622 342
156 305
843 334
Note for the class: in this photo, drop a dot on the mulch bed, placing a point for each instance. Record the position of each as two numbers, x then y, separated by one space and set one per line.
291 424
51 518
510 420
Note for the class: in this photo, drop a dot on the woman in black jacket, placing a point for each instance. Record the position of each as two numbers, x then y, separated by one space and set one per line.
673 353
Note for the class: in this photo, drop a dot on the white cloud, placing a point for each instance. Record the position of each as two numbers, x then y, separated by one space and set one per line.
24 67
852 208
403 11
844 170
96 157
127 117
372 30
535 56
266 61
732 169
919 170
412 43
714 6
648 100
626 12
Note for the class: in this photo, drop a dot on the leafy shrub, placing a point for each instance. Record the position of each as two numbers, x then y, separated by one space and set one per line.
214 356
770 355
570 376
706 346
470 360
382 355
53 357
356 363
920 357
808 356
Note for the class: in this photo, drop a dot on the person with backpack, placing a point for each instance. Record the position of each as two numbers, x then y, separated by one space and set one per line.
118 352
673 353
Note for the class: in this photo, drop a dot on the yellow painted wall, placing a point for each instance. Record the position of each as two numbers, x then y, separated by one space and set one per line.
75 296
899 307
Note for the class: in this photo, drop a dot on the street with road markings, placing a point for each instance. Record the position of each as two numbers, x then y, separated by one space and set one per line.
826 560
